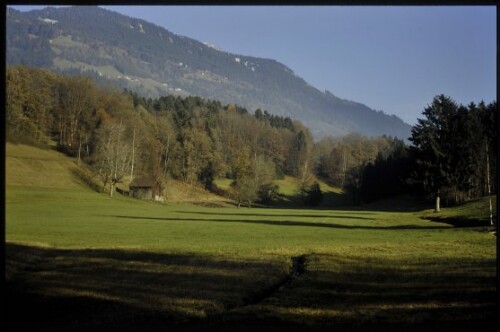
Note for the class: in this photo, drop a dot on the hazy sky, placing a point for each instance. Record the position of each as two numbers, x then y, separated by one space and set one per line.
394 59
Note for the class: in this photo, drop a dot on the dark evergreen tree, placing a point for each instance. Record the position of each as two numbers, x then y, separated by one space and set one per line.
387 175
432 139
312 195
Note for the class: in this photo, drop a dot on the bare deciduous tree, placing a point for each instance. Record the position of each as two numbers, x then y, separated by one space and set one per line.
113 155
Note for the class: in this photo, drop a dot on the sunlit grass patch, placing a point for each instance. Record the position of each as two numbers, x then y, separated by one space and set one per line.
223 183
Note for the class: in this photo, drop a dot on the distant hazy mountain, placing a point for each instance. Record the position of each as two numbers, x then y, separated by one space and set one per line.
152 61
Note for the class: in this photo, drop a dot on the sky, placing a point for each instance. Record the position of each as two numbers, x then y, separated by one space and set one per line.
394 59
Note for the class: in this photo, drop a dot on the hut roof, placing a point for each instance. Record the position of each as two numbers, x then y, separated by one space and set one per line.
143 182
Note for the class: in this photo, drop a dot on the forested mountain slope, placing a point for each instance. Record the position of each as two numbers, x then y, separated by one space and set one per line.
153 62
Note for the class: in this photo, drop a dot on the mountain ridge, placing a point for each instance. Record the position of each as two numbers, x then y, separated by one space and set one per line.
154 61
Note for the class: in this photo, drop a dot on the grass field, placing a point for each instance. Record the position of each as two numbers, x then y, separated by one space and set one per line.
75 257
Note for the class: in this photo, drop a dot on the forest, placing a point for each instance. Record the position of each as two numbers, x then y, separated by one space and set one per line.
451 156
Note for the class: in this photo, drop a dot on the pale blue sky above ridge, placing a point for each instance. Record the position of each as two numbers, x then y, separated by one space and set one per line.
394 59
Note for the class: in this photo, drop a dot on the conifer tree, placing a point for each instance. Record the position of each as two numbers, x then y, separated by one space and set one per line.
432 138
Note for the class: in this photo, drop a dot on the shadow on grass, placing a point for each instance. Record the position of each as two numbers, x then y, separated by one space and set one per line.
459 222
402 203
286 223
336 201
330 200
122 289
346 216
344 291
87 288
84 178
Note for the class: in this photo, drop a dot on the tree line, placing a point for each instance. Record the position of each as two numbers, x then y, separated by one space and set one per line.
124 135
455 149
121 134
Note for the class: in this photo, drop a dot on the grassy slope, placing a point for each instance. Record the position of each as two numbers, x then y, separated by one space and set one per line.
289 188
125 261
26 166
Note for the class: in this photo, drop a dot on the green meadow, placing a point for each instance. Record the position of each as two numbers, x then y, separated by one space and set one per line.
78 258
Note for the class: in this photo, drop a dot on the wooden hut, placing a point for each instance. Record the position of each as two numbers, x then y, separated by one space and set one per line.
145 188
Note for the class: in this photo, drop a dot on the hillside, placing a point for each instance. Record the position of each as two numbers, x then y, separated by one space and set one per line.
30 167
152 61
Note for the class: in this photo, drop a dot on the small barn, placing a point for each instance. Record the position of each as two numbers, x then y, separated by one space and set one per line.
145 188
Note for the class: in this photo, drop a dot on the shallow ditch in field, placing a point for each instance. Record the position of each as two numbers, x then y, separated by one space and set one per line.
297 268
